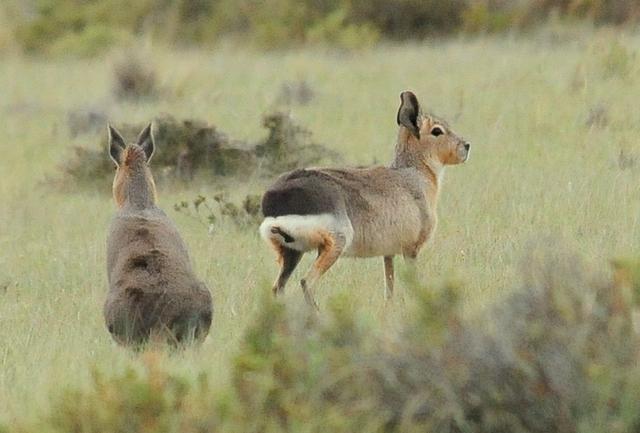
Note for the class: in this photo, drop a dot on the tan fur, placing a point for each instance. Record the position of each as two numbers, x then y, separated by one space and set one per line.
153 291
125 184
364 212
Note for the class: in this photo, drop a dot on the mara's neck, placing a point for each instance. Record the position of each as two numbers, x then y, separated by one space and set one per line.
407 155
139 193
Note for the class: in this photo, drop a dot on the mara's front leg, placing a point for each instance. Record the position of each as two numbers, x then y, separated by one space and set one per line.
388 277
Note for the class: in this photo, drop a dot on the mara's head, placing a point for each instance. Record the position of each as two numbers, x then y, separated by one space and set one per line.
426 137
133 183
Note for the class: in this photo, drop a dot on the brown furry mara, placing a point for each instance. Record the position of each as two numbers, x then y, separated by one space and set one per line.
363 212
154 295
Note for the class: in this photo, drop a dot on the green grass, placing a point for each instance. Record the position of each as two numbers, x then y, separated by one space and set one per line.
537 173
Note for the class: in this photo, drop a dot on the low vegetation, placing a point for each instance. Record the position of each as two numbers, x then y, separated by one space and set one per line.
247 215
558 354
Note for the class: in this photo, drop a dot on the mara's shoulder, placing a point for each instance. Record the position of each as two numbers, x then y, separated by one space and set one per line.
149 217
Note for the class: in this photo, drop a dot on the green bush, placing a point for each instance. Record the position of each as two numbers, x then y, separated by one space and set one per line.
89 27
89 42
75 25
143 398
296 373
481 18
558 354
618 61
335 30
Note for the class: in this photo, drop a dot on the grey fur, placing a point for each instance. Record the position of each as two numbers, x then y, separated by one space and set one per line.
154 293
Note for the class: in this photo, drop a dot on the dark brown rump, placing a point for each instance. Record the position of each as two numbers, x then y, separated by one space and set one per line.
302 192
132 313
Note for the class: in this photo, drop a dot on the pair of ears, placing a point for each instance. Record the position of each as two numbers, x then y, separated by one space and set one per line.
407 116
117 143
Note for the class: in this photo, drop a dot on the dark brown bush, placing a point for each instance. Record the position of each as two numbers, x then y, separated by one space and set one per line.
134 78
604 11
189 148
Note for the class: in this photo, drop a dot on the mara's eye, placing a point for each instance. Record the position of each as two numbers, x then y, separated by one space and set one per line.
437 131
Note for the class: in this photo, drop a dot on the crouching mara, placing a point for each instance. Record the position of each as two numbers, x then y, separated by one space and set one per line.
363 212
154 294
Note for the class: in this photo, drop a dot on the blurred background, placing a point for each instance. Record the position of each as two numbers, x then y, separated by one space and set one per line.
88 27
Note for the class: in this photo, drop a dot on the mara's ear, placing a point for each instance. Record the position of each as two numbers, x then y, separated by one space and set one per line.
408 113
145 141
116 145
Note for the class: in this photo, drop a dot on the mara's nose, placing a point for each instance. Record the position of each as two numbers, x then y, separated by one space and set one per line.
467 145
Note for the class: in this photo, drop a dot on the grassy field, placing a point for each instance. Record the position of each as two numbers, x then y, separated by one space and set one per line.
555 159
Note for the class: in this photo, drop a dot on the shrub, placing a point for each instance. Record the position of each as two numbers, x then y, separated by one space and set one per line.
89 41
186 148
275 23
143 398
480 17
135 78
618 61
295 373
183 148
335 29
288 145
246 215
79 27
559 354
409 19
602 11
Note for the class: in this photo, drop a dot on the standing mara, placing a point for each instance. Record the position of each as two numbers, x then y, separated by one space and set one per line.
153 291
363 212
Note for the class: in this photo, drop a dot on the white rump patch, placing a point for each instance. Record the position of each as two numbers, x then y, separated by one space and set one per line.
304 232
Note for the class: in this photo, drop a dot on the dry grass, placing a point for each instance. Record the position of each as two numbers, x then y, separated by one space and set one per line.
537 170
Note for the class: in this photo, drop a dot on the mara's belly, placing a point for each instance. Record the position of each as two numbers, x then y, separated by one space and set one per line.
386 241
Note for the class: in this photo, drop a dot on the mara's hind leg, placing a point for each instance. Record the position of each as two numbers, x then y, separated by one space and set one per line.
328 252
388 277
288 260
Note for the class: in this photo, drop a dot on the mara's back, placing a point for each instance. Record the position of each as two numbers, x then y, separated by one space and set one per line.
146 240
386 207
